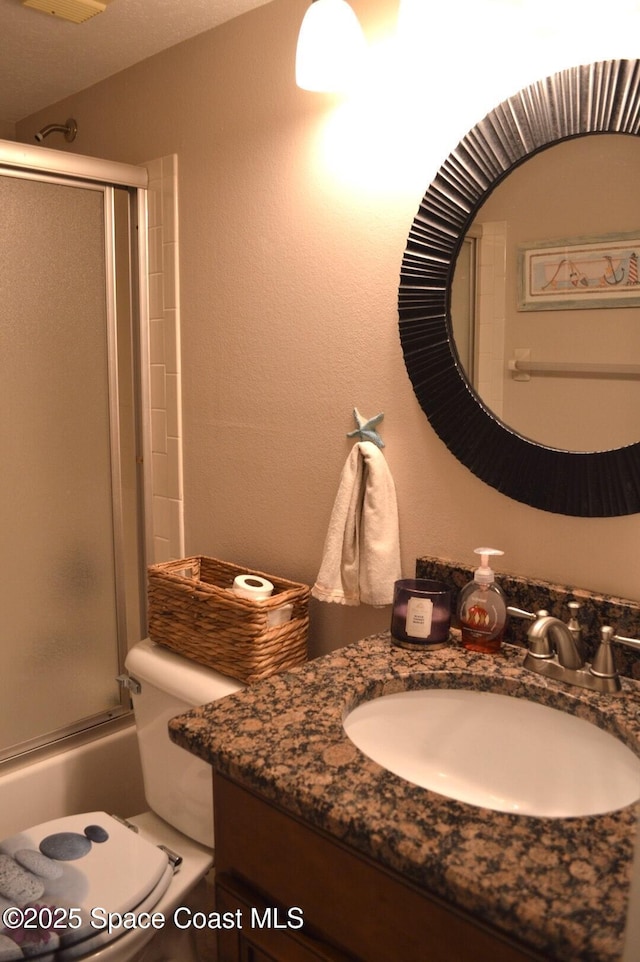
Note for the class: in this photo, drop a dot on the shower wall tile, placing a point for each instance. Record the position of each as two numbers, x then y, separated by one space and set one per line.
176 524
156 341
156 294
165 373
155 250
170 275
172 386
154 169
160 467
158 387
161 517
159 431
491 313
172 342
161 549
169 198
174 473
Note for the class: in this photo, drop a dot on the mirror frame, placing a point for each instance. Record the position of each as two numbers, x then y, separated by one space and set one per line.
598 98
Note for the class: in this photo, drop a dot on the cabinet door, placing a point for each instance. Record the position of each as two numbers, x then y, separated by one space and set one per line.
255 941
348 901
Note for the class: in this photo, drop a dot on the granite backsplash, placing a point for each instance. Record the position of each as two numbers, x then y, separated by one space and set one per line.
532 595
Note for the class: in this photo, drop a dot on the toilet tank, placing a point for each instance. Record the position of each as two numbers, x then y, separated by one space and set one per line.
177 785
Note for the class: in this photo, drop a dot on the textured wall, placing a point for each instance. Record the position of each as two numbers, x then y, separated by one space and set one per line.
294 212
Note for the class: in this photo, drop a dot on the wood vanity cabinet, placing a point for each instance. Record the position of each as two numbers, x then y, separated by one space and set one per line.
272 870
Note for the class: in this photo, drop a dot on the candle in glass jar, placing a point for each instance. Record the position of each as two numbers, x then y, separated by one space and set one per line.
421 615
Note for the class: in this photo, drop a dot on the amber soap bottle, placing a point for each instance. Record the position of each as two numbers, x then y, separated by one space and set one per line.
482 608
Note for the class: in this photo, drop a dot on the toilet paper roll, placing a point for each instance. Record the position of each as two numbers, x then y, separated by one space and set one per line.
252 586
279 616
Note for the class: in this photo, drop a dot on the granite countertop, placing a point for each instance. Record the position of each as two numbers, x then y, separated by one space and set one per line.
558 885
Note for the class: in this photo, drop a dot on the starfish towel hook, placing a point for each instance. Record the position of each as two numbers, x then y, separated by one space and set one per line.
366 429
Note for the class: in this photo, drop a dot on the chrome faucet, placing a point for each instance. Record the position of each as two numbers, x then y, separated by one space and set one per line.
556 650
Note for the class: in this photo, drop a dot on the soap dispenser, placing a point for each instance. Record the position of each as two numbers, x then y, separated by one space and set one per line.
482 608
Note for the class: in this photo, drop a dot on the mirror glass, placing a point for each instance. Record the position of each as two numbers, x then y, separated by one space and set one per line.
565 258
576 203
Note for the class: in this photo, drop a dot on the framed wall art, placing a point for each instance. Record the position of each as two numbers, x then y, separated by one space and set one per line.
580 273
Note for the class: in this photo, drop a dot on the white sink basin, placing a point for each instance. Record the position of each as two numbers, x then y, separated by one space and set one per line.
498 752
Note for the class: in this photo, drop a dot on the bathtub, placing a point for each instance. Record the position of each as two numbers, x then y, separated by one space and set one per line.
102 774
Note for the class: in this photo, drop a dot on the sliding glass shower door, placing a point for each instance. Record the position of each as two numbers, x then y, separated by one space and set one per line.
70 495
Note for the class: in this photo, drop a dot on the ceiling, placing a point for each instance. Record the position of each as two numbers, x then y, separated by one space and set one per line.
44 59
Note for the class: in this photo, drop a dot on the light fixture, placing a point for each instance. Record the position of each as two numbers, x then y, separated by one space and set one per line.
330 47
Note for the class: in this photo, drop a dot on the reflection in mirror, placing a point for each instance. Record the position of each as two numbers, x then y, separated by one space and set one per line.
571 193
603 478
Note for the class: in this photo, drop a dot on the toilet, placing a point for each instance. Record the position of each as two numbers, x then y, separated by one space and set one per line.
97 887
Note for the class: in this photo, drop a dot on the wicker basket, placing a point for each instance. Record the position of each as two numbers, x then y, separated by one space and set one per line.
193 611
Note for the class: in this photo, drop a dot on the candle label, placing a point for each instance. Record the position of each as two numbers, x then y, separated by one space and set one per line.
419 617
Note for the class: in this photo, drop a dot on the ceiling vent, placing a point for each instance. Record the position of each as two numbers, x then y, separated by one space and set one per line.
77 11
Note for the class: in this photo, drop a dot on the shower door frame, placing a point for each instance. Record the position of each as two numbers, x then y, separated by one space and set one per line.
74 170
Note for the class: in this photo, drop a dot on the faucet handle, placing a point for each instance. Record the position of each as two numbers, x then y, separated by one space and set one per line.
627 642
527 615
521 613
574 607
602 665
574 627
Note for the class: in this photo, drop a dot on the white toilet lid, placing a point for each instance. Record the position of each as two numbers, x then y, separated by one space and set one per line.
64 879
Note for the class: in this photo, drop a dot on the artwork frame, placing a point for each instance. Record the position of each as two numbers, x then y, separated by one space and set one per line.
580 273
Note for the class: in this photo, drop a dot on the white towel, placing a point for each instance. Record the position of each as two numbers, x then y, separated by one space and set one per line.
361 557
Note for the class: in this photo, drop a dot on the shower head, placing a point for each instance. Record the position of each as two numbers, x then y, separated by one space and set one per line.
70 129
